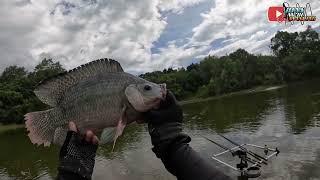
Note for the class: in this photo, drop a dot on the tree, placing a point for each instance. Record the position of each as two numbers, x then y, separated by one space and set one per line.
12 73
192 66
16 90
239 54
283 43
45 69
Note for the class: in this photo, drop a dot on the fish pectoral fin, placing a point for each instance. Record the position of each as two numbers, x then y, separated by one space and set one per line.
107 135
119 130
120 127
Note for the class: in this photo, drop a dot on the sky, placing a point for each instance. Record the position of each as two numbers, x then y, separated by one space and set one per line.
143 35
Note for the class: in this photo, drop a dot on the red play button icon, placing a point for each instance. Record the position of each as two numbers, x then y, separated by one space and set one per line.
276 13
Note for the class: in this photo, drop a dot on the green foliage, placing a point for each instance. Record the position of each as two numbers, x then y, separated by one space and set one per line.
46 68
16 90
285 43
13 73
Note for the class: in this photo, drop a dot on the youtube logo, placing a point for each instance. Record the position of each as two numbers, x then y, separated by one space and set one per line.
276 13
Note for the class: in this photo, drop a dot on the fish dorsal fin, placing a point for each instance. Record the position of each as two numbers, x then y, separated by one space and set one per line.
51 90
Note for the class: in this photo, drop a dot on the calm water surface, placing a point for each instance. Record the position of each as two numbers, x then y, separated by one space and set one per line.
288 118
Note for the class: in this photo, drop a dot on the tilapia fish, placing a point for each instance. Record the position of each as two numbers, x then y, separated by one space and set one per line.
97 96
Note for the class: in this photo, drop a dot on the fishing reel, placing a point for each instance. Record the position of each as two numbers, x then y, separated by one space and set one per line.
243 159
250 162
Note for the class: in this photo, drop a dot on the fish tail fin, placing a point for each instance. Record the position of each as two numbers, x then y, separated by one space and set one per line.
41 126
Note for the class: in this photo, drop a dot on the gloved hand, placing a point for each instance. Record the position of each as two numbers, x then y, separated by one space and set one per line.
171 145
77 155
165 128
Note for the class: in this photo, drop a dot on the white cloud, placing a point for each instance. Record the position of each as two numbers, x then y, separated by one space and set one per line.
232 20
241 24
173 56
78 31
245 23
177 6
252 45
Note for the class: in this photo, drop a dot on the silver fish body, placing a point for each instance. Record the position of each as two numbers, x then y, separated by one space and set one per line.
98 96
97 102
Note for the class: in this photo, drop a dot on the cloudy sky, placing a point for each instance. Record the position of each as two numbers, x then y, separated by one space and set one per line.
143 35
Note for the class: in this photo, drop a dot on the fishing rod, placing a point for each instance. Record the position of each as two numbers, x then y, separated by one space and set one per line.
257 156
233 152
222 146
246 170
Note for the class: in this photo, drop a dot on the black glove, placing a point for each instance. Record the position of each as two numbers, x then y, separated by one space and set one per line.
171 145
165 128
77 155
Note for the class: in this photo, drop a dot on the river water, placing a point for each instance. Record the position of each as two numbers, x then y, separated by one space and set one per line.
287 118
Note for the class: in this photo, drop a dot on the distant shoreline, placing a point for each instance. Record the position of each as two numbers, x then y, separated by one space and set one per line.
8 127
246 91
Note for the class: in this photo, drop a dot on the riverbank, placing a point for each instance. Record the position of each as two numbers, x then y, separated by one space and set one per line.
246 91
4 128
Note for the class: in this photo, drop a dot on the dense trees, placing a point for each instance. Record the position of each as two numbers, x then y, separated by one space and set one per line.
296 56
16 90
298 53
218 75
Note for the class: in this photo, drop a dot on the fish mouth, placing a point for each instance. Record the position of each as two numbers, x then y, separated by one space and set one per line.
163 95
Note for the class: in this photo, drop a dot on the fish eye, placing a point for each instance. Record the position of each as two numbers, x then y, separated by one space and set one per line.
147 87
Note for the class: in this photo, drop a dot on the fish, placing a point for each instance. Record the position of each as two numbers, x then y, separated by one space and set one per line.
97 96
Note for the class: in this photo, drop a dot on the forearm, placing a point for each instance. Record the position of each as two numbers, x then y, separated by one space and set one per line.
170 144
186 164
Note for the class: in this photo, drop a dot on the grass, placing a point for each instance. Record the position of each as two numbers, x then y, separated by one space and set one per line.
8 127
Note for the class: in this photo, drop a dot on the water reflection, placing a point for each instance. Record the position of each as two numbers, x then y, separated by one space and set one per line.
230 112
22 160
302 105
310 169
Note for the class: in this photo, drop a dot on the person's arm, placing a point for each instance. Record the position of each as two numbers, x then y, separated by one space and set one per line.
185 164
171 145
77 155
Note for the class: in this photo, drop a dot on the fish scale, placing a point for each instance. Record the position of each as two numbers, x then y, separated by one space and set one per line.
96 96
85 111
